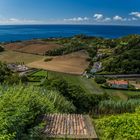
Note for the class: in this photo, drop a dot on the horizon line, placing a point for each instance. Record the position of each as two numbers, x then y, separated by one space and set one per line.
70 24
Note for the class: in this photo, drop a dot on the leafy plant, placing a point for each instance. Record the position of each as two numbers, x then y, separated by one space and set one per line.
120 127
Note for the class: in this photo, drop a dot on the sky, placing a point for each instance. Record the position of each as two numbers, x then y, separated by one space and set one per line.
104 12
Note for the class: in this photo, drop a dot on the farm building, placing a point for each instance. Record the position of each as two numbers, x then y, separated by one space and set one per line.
73 126
120 84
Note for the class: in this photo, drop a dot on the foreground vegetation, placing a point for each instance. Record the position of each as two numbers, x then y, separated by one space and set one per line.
126 126
21 109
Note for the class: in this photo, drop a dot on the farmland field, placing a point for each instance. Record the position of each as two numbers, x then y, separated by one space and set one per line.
74 63
13 57
33 46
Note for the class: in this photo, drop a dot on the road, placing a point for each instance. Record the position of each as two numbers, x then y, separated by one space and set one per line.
121 75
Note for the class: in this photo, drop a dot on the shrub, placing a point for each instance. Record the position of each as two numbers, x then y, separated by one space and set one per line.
100 79
1 49
21 108
120 127
48 59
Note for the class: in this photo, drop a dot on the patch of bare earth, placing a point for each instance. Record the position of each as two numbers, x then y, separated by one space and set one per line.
33 46
74 63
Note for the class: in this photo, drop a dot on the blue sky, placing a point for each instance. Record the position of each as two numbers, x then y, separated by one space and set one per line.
122 12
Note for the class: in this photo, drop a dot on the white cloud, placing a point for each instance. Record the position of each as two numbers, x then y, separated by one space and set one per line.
77 19
98 17
19 21
136 14
117 18
14 20
101 18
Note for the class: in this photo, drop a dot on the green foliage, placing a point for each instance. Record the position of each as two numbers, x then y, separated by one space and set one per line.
100 79
84 102
8 77
92 51
20 108
5 72
60 102
120 127
126 56
117 107
69 48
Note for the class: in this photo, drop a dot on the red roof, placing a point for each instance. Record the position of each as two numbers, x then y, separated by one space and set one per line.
116 82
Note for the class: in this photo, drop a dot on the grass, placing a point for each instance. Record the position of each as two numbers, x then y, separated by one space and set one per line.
89 85
120 94
13 57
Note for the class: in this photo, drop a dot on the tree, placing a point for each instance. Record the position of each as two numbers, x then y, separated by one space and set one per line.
1 49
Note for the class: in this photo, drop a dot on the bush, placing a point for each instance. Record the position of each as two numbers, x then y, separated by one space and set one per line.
1 49
100 79
120 127
5 72
22 107
48 59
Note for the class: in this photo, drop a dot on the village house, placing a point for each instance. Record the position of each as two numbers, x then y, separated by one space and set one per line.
119 84
96 67
17 68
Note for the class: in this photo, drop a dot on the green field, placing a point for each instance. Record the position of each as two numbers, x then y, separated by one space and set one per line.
89 85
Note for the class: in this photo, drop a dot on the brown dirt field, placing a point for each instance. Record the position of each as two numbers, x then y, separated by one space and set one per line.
34 46
74 63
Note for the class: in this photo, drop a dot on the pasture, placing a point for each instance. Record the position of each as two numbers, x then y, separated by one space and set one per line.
13 57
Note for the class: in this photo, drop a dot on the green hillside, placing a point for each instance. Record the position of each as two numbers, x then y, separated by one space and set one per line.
125 57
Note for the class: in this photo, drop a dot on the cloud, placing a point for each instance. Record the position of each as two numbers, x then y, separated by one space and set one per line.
19 21
107 19
136 14
98 17
117 18
77 19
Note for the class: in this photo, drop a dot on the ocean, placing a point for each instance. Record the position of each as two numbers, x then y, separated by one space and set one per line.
27 32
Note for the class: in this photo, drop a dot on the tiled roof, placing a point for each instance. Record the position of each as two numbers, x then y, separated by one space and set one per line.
70 126
120 82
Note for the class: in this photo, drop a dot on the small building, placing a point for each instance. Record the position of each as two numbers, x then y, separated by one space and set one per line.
119 84
17 67
96 67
